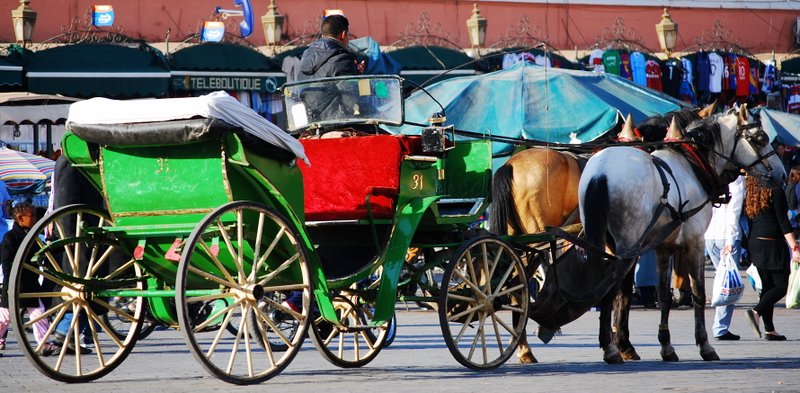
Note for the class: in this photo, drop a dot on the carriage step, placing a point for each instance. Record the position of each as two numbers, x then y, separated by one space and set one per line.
358 328
459 207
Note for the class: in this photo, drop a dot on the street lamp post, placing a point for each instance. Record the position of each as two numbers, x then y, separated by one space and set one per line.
24 20
667 31
476 27
273 24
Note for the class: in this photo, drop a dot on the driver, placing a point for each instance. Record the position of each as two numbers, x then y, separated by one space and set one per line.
326 57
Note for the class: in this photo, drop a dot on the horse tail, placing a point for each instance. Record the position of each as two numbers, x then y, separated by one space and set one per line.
504 212
596 203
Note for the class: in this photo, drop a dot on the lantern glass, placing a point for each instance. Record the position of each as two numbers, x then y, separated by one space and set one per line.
476 28
272 22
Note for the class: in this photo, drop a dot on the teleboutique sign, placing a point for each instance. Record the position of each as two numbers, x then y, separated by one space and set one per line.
249 81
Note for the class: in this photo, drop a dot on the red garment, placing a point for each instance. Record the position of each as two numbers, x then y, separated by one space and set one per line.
742 77
793 106
727 71
653 71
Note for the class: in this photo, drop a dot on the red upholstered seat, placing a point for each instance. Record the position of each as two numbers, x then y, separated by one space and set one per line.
344 170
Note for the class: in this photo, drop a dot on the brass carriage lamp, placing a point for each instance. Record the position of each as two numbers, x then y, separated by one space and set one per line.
667 31
23 19
273 24
476 27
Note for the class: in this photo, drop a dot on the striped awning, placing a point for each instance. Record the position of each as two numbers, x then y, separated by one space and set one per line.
21 170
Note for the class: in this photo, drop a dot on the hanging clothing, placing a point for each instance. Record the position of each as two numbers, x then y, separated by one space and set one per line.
291 67
625 66
717 72
729 77
703 72
638 68
742 77
793 106
771 81
611 61
672 76
596 60
754 80
653 72
542 61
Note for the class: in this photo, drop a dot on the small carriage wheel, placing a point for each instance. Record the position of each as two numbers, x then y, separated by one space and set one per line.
356 342
64 264
483 305
235 256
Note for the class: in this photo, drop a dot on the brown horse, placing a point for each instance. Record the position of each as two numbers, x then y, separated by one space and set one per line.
537 188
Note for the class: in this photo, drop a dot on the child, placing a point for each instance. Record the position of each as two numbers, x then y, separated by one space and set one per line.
25 217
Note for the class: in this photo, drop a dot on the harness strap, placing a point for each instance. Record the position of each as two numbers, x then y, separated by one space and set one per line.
678 216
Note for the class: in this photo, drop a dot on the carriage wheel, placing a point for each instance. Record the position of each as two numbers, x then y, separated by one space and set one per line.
356 342
235 256
63 263
483 305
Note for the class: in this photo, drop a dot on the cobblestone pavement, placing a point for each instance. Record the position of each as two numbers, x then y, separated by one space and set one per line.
418 361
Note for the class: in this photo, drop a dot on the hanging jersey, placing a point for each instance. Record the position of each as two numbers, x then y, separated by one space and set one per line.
672 76
653 72
625 66
717 68
638 69
703 72
770 78
754 80
596 60
611 61
731 58
742 77
793 106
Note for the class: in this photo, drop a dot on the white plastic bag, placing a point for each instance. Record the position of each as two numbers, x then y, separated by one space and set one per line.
793 293
755 279
728 286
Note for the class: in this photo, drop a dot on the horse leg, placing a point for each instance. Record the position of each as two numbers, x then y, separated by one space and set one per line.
664 302
611 354
697 281
622 308
524 353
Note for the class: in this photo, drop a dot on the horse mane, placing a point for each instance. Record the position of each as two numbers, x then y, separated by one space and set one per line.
654 129
705 132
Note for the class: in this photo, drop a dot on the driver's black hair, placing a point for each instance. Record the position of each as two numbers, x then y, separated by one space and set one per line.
334 25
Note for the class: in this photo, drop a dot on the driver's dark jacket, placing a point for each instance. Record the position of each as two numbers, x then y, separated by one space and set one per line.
327 57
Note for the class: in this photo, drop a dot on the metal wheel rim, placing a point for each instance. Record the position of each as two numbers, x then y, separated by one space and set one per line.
90 259
218 352
477 324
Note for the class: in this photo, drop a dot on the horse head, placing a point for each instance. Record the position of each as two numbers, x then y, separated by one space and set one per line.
734 142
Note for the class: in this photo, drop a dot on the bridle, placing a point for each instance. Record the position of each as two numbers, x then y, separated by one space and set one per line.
755 136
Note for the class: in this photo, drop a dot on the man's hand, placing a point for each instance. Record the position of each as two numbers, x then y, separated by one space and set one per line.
726 250
361 65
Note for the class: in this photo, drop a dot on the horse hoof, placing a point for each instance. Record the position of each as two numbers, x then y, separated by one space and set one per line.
528 359
630 355
711 356
673 357
614 359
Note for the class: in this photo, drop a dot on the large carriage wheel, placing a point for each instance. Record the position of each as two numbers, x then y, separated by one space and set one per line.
120 326
62 264
356 342
483 305
235 257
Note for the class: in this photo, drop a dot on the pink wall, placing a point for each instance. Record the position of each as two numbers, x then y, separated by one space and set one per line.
566 26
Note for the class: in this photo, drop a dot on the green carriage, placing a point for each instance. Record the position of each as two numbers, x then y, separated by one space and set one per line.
210 221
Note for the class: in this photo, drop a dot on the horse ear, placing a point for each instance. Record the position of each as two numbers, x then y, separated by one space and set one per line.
628 134
744 115
673 132
708 110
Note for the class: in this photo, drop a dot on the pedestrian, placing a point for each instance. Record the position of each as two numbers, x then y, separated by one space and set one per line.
24 218
770 234
723 238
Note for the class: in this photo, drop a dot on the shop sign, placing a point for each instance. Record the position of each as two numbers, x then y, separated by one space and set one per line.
213 31
222 82
103 16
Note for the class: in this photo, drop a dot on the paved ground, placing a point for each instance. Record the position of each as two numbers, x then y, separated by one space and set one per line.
418 361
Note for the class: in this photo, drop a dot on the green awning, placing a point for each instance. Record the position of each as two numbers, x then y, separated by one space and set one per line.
222 66
791 66
98 70
426 64
10 74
